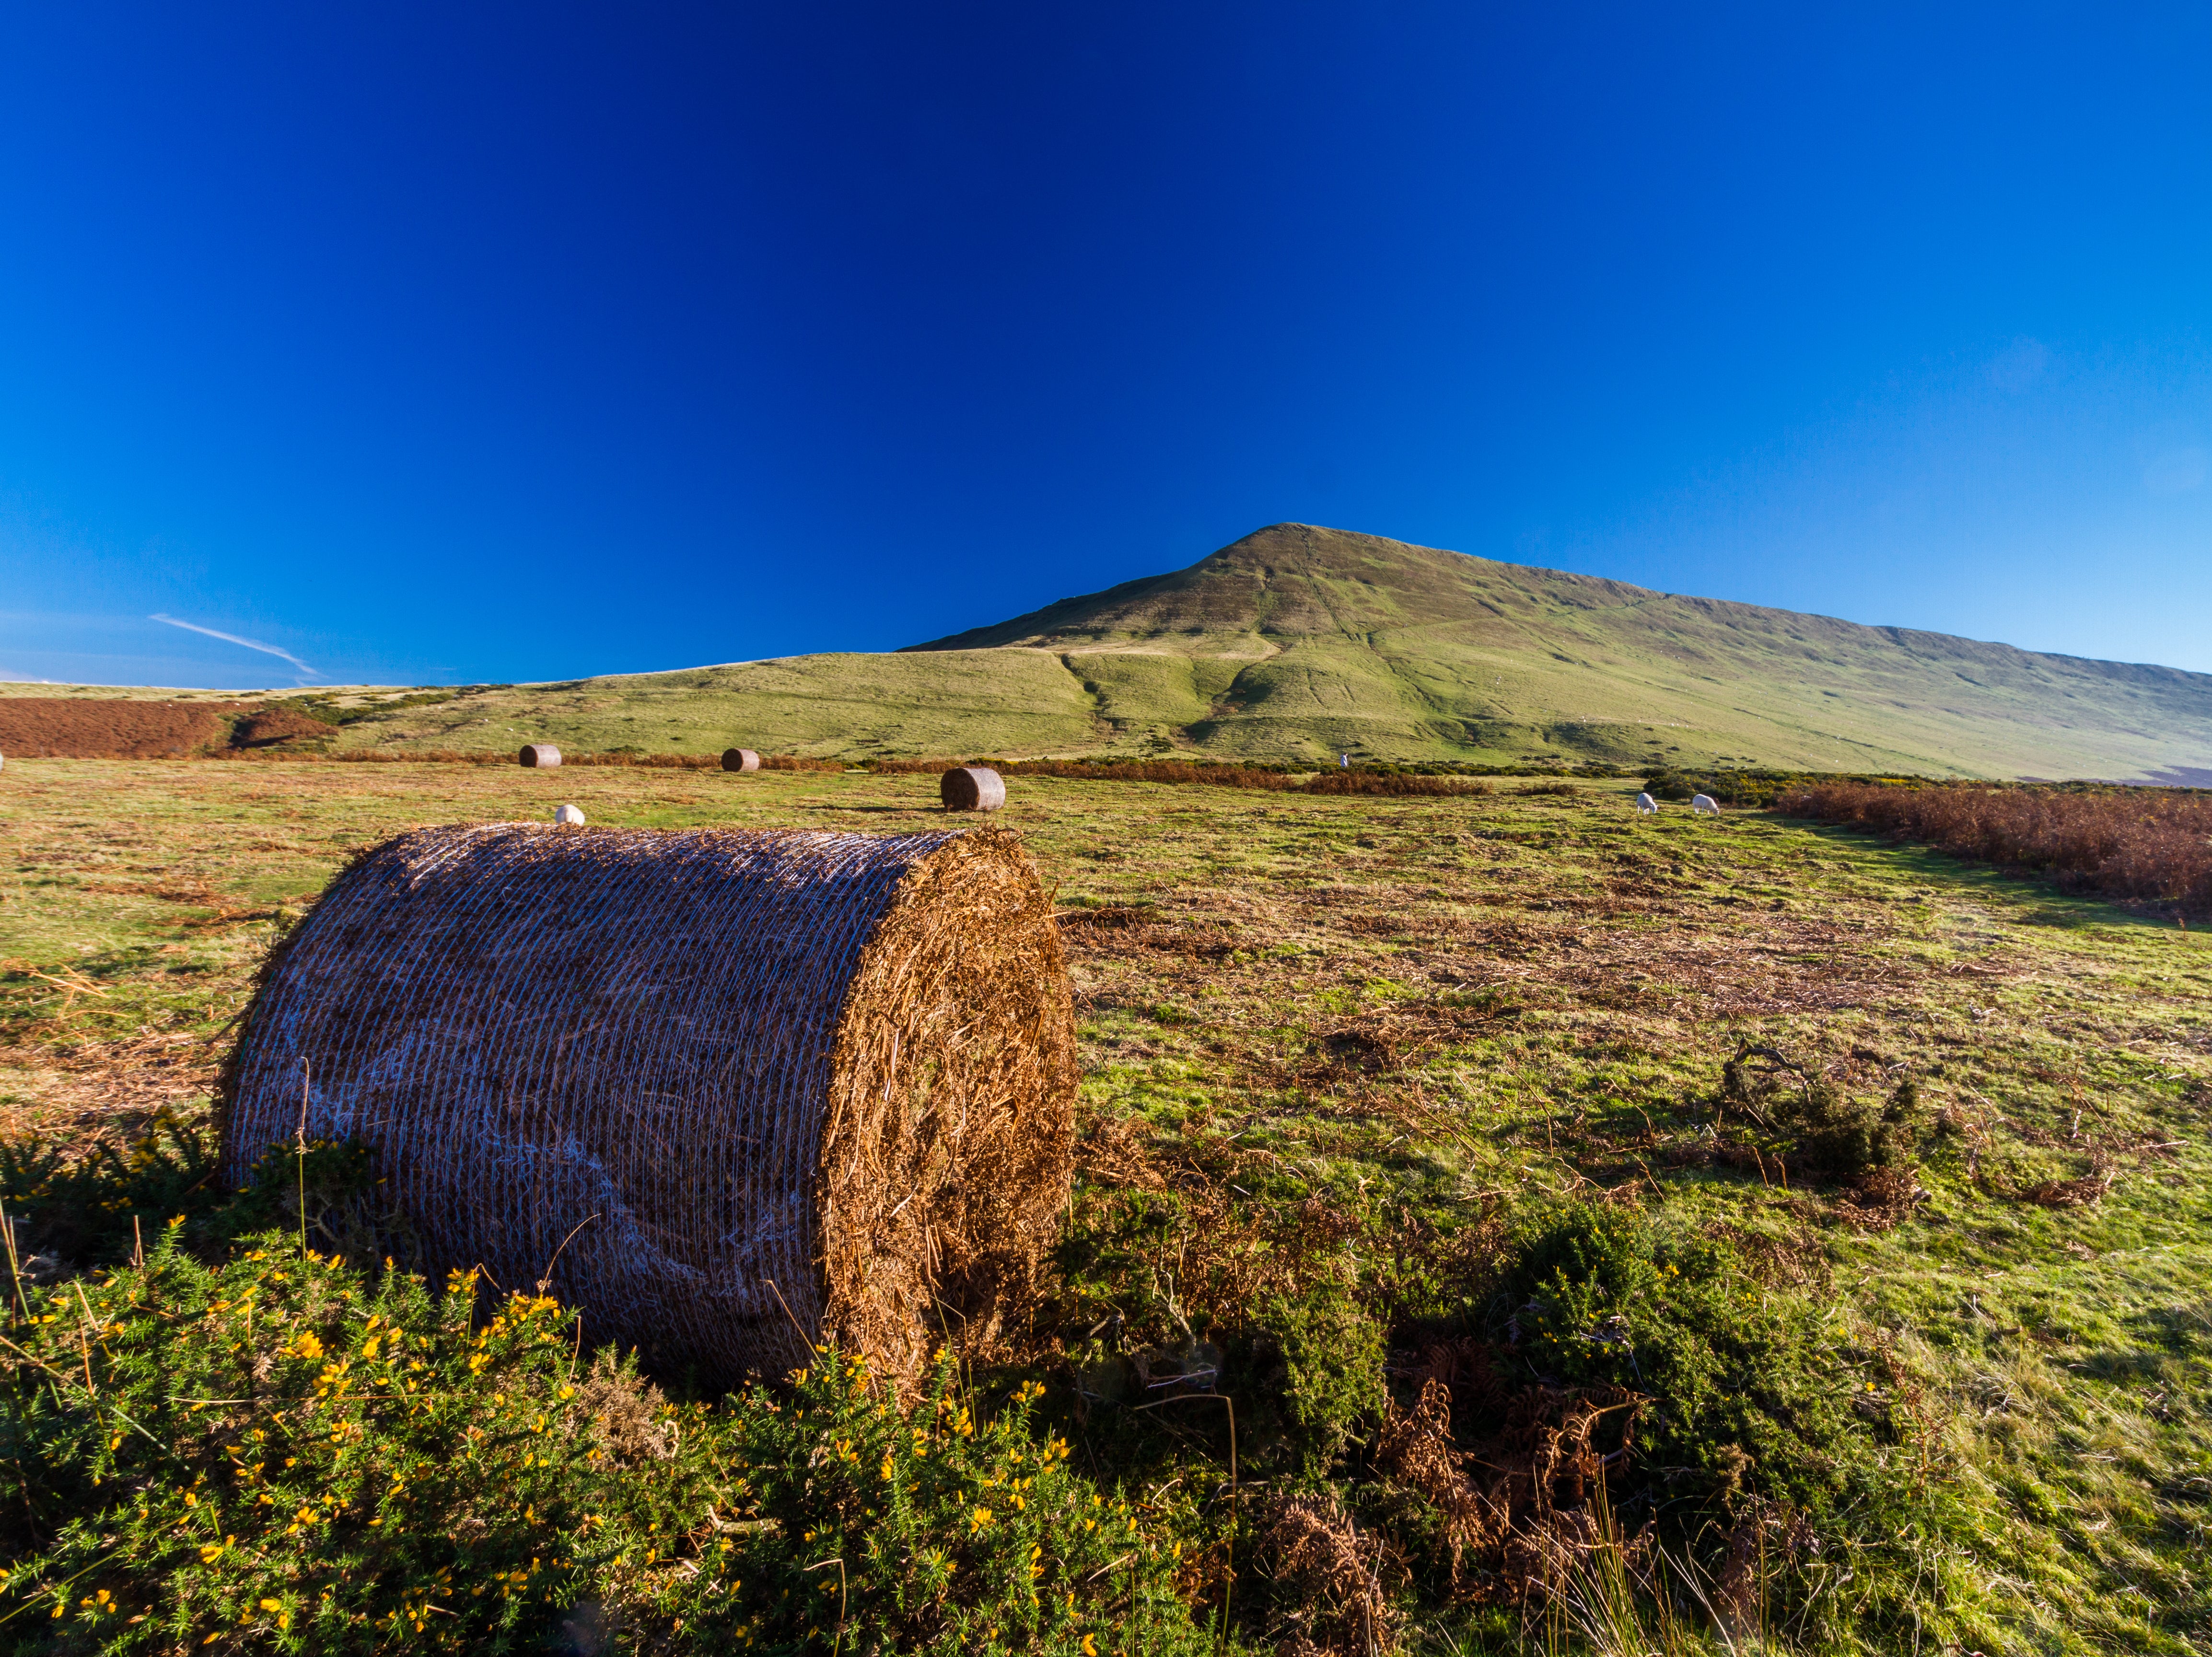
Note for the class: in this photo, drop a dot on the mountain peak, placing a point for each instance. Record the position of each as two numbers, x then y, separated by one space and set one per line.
1288 578
1301 638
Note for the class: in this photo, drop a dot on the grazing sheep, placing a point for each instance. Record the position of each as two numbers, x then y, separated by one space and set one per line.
1704 804
1646 805
572 815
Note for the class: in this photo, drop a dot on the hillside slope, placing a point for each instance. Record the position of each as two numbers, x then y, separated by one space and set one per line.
1299 643
1303 640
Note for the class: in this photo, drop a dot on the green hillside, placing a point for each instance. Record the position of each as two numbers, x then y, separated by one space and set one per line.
1299 643
1297 640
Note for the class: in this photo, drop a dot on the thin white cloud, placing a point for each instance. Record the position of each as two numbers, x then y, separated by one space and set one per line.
232 638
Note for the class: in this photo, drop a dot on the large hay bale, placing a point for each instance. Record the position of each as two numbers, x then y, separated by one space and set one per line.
972 787
740 759
539 754
750 1070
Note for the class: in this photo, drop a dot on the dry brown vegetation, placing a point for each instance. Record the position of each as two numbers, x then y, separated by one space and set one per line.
1107 770
664 762
1394 782
68 726
2142 844
1181 772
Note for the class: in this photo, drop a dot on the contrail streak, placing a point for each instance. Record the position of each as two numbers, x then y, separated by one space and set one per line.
232 638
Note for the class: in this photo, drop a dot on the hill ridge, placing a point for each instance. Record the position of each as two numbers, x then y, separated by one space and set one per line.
1421 628
1299 643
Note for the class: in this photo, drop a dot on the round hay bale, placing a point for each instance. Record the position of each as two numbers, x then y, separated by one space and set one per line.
771 1081
571 815
540 754
972 787
740 759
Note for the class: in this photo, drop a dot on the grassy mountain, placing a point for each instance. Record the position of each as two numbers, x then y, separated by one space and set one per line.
1298 640
1299 643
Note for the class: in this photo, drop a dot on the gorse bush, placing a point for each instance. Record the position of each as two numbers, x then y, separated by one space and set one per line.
1751 1394
281 1453
1744 786
84 1208
1328 1382
93 1209
1823 1132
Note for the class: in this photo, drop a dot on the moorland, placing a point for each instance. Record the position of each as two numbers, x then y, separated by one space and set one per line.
1553 1227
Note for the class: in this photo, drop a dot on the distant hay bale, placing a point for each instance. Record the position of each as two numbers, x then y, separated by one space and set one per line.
766 1078
571 815
540 754
972 787
740 759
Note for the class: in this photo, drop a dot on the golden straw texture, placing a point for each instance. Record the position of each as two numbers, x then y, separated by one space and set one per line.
837 1063
972 787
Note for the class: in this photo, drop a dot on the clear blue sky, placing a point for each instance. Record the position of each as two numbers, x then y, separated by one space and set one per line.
503 341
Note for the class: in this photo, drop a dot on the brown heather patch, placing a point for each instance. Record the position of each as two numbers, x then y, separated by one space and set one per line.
2142 843
1522 1508
1338 1578
118 727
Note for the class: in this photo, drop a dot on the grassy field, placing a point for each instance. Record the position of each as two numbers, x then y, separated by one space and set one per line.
1337 1053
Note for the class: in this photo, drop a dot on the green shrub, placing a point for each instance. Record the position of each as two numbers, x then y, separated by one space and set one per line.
1329 1379
1848 1138
99 1208
958 1532
280 1452
1751 1390
1826 1133
81 1210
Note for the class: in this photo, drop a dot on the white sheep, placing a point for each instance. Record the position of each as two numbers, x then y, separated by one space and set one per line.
572 815
1646 805
1704 804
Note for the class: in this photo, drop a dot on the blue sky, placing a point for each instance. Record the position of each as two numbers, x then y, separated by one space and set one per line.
507 342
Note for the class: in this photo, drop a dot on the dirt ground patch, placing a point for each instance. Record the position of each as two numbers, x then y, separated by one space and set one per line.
267 727
68 727
106 1089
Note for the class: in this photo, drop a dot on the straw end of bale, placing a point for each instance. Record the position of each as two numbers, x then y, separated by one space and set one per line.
972 787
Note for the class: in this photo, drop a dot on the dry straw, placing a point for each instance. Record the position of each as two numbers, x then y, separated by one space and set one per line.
749 1071
539 754
740 759
972 787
